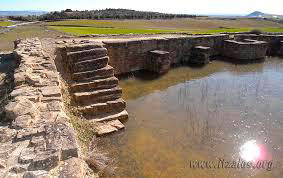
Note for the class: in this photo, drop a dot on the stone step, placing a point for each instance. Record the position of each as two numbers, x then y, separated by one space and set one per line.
105 72
92 64
83 47
111 82
121 116
108 127
98 96
79 56
115 106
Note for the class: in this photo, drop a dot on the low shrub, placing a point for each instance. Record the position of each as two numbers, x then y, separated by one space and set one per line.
256 32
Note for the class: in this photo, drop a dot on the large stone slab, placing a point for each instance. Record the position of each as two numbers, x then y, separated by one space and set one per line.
244 50
158 61
200 55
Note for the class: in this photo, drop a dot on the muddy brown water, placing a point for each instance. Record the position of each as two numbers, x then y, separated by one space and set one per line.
204 114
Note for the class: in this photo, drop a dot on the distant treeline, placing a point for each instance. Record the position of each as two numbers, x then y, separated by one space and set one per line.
28 18
101 14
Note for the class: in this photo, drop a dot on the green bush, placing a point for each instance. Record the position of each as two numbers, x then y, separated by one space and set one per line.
256 32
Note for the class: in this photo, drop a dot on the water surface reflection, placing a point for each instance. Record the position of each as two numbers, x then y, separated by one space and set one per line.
221 111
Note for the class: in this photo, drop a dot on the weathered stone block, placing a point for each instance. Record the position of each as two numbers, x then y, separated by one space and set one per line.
105 72
110 82
27 155
44 161
21 122
83 47
50 106
79 56
51 91
19 108
24 91
20 78
245 50
62 138
92 64
158 61
109 127
7 134
200 55
114 106
73 168
98 96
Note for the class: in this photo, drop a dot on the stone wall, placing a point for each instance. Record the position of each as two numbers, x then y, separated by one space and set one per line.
272 40
94 89
131 55
37 140
244 50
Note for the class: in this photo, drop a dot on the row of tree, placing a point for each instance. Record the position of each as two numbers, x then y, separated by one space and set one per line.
102 14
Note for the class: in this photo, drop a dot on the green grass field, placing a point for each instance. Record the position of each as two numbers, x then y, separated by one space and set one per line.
200 26
93 30
4 24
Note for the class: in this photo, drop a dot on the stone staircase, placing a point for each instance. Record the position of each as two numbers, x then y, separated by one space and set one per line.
94 87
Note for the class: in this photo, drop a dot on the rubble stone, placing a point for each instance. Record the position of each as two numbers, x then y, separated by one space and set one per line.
20 108
73 168
39 137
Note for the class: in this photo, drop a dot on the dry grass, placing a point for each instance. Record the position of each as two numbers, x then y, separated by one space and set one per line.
180 24
28 31
188 25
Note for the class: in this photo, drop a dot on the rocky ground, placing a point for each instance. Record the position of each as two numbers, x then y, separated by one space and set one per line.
36 137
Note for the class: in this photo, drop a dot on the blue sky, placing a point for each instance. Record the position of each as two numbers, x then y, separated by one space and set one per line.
175 6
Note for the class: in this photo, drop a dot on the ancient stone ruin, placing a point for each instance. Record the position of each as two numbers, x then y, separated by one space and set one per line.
158 61
244 50
39 140
40 137
93 86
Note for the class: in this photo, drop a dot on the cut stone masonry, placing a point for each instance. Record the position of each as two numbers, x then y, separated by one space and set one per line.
159 61
245 50
200 55
94 88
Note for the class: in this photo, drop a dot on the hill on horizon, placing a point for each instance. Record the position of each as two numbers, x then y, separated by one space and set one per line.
264 15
